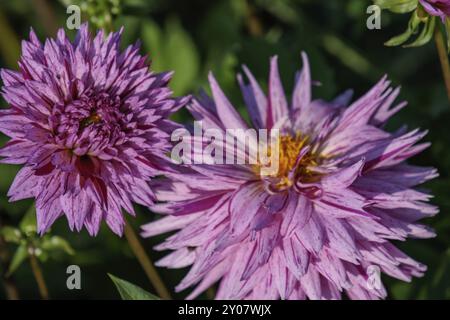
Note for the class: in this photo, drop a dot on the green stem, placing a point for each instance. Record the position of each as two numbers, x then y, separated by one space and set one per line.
146 263
37 272
443 58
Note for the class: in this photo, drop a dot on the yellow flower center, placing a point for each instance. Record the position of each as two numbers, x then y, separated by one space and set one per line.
288 168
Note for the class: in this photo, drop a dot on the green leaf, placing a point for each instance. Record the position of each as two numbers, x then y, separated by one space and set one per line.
56 243
153 44
426 34
179 44
19 256
397 6
28 222
11 234
166 49
129 291
412 27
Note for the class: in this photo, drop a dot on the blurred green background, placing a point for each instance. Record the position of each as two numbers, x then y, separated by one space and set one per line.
195 36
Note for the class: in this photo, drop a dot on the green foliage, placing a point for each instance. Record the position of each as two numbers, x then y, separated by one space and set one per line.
129 291
11 234
417 19
164 48
29 243
398 6
19 257
100 12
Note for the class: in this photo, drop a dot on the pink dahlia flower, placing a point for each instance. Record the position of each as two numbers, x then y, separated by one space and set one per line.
321 225
438 8
88 122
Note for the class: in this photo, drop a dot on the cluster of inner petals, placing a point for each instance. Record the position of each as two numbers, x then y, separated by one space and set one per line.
295 162
87 125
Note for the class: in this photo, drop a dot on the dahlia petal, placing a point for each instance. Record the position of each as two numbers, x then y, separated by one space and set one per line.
46 214
255 99
240 204
178 259
10 77
299 216
113 217
297 257
93 220
329 291
212 276
12 123
264 289
380 156
16 151
344 177
141 193
361 111
385 111
370 188
343 99
24 186
340 237
311 284
405 175
266 240
339 204
276 203
281 276
355 141
193 206
332 269
232 281
277 105
227 114
76 208
301 98
439 8
359 290
312 235
414 214
208 118
166 224
200 268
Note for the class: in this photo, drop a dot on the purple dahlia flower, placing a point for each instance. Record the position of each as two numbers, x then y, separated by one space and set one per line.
89 124
316 227
438 8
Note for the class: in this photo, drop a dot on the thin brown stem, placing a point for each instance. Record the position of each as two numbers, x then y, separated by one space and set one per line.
443 58
37 272
146 263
